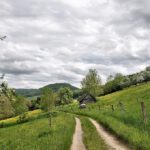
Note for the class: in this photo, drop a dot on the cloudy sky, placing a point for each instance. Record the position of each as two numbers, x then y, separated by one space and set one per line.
52 41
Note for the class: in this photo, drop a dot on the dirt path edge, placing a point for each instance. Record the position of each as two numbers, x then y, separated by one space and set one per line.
77 143
112 142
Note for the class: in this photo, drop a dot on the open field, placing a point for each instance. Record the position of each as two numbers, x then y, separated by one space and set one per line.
118 112
36 134
125 119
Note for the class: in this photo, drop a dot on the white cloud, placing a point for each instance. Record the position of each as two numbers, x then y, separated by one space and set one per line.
59 40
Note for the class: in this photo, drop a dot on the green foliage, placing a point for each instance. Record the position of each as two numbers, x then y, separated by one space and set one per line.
110 78
22 118
31 115
10 103
77 93
91 84
37 92
120 82
36 135
47 102
126 120
28 92
48 99
2 124
114 85
6 109
57 86
65 96
20 105
34 103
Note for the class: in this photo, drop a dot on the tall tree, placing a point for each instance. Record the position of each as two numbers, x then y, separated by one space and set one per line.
110 78
65 96
91 84
10 103
20 105
47 102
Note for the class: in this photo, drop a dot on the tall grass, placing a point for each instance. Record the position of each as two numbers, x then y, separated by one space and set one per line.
127 122
37 135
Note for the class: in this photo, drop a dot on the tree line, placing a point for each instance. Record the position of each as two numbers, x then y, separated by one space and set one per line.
119 81
12 104
92 84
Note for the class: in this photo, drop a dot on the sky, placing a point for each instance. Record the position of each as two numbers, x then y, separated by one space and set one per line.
51 41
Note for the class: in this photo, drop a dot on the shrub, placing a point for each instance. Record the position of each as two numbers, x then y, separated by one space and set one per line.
23 118
2 124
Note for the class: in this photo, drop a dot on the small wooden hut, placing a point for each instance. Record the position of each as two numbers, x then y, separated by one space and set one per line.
87 98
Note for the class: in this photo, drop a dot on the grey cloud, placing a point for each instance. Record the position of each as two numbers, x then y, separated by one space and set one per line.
18 68
16 71
59 40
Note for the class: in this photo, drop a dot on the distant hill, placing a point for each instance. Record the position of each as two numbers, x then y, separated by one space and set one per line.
56 86
36 92
28 92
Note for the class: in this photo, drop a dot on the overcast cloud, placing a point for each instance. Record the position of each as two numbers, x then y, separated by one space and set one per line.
52 41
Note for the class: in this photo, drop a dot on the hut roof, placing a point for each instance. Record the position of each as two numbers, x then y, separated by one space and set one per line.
87 98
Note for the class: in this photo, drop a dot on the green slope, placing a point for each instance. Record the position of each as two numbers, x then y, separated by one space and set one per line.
28 92
37 135
36 92
126 120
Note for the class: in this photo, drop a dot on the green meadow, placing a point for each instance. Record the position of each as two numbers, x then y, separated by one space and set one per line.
121 113
36 134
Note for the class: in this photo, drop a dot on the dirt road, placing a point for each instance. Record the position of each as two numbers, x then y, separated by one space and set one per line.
112 142
77 143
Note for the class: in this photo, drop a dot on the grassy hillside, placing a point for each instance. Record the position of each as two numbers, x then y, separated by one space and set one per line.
36 92
36 134
126 120
28 92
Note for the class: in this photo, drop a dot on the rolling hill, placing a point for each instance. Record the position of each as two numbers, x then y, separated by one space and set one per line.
36 92
122 113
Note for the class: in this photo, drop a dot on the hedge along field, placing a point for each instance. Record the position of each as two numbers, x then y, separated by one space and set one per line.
29 116
37 134
121 113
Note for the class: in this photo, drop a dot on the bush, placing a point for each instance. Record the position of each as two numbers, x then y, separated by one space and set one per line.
23 118
20 105
65 96
2 124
